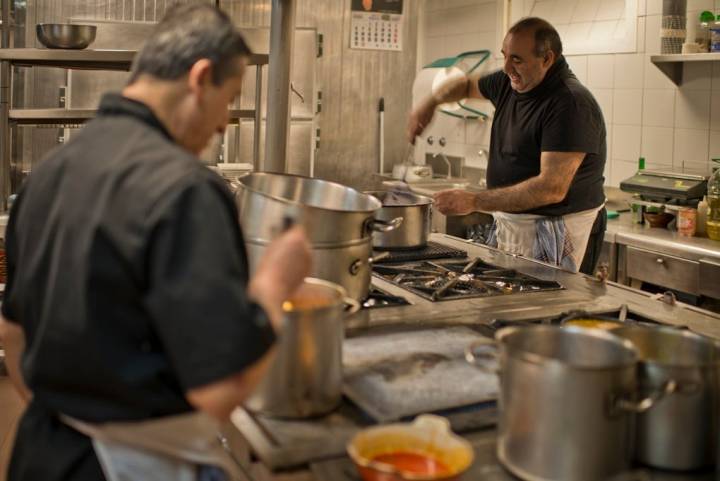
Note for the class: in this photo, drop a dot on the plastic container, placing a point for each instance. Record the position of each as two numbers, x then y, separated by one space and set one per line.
713 199
702 35
702 210
687 222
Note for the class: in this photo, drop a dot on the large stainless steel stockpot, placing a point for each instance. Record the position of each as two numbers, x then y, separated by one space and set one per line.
330 212
415 212
681 432
348 264
566 402
305 378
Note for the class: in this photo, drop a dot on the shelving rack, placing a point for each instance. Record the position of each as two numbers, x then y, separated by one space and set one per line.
117 60
672 64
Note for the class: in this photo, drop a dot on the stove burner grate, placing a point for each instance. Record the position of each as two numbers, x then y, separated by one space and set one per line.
450 280
432 250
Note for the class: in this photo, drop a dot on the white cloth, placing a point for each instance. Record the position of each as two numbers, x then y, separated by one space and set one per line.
169 448
556 240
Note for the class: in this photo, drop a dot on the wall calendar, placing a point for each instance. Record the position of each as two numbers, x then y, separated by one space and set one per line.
376 25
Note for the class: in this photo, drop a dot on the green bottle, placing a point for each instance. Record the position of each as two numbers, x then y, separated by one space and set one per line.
641 163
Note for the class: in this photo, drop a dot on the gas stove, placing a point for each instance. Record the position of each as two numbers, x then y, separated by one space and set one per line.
378 298
445 280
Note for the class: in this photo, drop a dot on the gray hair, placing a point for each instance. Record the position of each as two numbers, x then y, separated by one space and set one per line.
187 34
546 37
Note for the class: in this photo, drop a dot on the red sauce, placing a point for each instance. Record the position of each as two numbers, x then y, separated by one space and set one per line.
414 463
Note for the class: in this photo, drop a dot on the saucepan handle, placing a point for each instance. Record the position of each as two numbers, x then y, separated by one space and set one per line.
638 407
387 225
482 350
351 306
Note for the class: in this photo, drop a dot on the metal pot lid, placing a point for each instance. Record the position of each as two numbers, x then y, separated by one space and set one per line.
296 190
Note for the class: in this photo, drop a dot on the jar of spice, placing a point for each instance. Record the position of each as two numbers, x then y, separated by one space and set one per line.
687 222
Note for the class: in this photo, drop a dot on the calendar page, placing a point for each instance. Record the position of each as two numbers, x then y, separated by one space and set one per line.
376 25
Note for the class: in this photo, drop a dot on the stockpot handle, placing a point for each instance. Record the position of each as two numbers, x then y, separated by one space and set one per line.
386 225
351 306
482 350
357 263
670 386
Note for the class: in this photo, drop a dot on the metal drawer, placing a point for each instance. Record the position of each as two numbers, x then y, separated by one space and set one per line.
663 270
710 278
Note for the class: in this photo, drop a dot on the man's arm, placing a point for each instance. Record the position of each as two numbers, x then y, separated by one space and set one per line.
281 270
557 170
13 341
453 90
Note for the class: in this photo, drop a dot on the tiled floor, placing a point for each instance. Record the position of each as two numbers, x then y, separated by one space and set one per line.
10 409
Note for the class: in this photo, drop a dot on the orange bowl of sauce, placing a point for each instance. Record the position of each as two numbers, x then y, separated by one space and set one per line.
424 450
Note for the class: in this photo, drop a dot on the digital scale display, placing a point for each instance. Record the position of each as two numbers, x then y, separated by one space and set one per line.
376 25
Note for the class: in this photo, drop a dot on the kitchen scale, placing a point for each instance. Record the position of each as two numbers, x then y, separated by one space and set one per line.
666 187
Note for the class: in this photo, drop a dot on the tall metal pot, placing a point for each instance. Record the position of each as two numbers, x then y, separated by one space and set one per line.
348 264
566 402
339 222
305 378
681 432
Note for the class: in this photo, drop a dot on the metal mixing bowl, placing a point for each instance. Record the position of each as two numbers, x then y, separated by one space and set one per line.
63 35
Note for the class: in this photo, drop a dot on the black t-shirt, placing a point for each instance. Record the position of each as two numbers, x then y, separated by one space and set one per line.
559 115
128 274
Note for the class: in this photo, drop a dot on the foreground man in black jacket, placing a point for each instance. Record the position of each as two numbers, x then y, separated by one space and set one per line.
128 296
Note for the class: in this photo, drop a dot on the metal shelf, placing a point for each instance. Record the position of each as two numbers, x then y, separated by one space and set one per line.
119 60
84 59
79 116
672 65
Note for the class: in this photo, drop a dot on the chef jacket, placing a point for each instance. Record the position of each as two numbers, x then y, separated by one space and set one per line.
128 274
558 115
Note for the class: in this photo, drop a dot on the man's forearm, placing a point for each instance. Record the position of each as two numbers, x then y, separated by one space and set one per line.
527 195
452 91
13 341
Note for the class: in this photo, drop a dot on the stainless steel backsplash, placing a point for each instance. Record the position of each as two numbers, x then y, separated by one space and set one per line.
351 81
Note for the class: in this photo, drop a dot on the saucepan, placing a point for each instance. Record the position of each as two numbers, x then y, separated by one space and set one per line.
305 378
568 401
424 450
414 210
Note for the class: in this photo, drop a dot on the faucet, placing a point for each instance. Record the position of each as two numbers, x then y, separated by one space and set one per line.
447 162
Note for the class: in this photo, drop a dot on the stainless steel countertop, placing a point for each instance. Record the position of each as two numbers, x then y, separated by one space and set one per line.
623 231
582 292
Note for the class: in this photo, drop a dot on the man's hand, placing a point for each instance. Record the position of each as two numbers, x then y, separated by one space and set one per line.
286 262
456 202
13 341
420 118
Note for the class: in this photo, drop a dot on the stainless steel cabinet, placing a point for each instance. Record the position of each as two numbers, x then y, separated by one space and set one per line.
663 270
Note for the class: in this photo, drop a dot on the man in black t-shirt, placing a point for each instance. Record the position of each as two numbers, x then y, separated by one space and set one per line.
128 296
547 151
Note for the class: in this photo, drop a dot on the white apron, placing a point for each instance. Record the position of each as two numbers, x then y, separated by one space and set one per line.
168 448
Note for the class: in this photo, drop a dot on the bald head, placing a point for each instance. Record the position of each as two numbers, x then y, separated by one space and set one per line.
546 37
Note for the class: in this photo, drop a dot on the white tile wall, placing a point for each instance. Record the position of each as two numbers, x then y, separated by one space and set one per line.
659 107
629 71
692 109
645 112
657 147
627 106
626 142
601 71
